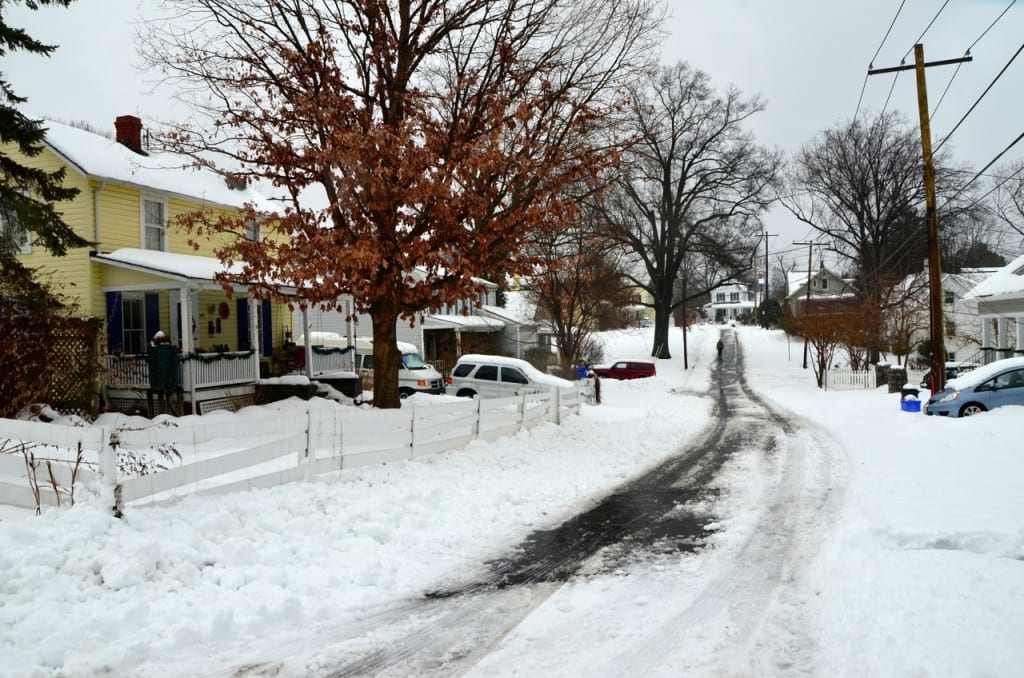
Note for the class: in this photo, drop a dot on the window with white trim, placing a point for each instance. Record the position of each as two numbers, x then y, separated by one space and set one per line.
154 224
734 297
13 236
133 323
720 297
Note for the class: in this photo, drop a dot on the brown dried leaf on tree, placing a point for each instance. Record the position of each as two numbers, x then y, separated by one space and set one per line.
418 143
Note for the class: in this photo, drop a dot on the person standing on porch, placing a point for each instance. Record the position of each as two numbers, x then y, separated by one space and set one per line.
164 376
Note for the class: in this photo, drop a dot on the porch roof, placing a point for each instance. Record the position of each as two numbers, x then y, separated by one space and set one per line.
191 269
466 323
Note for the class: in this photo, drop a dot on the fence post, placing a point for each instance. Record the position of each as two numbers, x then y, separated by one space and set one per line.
310 450
476 424
412 432
108 466
520 411
556 405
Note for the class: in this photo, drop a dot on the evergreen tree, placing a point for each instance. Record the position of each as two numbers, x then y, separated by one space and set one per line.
27 195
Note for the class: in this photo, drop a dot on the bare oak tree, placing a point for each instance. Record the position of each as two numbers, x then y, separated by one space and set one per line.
406 135
691 189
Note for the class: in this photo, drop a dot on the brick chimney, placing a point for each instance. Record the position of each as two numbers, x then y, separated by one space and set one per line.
129 131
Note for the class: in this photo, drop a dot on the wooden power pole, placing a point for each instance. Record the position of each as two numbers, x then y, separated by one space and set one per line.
936 319
807 306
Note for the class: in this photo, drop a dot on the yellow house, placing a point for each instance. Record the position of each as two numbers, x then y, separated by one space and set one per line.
143 276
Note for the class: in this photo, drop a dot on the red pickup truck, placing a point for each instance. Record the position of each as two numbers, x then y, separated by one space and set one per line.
627 369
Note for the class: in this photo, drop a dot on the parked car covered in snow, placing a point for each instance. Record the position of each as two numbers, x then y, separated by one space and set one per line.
493 376
994 385
634 368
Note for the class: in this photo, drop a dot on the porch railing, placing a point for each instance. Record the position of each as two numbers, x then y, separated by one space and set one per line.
211 369
330 362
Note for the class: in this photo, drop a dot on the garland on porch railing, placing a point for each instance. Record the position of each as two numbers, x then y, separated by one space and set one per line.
205 358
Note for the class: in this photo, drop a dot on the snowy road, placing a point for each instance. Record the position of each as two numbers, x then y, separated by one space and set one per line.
552 606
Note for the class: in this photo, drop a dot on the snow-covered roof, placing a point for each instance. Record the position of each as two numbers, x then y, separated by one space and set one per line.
465 322
531 371
502 314
101 158
182 267
1006 282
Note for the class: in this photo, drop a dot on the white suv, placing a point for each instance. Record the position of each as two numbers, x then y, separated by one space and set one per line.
493 376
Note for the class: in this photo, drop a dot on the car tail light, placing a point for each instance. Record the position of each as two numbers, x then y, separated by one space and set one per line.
449 380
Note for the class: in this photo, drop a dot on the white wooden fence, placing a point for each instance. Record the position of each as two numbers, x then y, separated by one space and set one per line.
264 452
846 379
838 379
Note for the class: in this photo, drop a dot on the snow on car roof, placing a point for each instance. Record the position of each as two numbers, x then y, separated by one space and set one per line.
980 374
530 370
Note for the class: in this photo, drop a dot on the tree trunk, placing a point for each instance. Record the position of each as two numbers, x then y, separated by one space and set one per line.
662 316
386 356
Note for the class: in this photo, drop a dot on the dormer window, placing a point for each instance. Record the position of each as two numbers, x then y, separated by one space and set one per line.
154 224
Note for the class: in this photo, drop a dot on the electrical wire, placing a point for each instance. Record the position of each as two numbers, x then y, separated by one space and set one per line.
983 170
967 53
926 29
978 100
871 64
992 190
904 59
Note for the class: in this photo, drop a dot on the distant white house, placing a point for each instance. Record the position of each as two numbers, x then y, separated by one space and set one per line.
1000 299
825 286
731 302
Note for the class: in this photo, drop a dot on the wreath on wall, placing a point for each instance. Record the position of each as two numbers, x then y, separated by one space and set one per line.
223 311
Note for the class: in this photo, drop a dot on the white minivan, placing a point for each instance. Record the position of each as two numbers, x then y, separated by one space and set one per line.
414 374
494 376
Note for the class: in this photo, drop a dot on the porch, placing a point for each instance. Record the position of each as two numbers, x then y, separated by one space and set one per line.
209 381
225 340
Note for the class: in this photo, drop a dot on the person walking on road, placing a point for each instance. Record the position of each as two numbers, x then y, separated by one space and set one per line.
719 346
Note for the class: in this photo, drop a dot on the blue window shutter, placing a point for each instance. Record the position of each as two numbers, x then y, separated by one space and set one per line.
153 315
268 330
115 329
243 324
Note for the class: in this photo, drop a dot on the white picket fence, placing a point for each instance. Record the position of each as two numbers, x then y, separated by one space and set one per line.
264 452
844 378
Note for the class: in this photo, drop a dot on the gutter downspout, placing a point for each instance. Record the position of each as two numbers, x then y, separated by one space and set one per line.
96 214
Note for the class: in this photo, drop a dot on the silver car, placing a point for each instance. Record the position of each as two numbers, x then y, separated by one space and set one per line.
994 385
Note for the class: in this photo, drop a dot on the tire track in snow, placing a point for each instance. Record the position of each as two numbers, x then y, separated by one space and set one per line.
447 632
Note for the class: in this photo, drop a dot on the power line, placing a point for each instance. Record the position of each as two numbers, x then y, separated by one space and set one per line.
967 52
983 169
978 100
871 64
992 190
926 28
896 77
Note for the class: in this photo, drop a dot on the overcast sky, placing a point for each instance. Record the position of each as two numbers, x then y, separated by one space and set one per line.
806 58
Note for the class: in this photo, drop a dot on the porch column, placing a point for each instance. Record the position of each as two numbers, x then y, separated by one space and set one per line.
308 348
188 343
986 332
254 324
1003 338
1019 321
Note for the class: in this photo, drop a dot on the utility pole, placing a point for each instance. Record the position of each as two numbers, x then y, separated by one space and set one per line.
764 298
807 305
938 345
